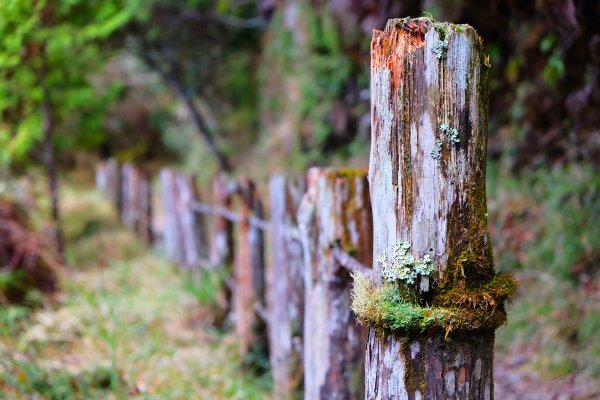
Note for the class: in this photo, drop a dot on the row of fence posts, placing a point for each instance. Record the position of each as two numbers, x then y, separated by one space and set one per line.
427 186
298 306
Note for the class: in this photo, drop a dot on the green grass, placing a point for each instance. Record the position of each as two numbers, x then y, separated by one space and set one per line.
126 323
545 229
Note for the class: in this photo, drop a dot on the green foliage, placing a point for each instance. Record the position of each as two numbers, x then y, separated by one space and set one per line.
54 44
546 232
207 287
30 378
314 66
125 326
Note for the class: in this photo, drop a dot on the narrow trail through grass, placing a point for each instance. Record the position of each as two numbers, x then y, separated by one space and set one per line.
125 324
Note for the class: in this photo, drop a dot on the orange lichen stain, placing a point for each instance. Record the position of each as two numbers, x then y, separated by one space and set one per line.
390 47
462 376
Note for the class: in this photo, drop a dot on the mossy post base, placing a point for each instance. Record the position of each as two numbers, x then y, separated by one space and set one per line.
249 273
335 209
427 181
286 288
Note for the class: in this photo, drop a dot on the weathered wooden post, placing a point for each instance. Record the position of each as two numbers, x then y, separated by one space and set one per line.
222 234
144 223
183 234
172 245
114 184
130 194
249 273
286 287
191 227
335 211
435 299
101 178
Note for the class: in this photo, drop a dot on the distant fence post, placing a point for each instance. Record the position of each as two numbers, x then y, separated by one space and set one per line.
249 272
108 181
190 223
144 223
286 287
335 211
427 180
129 192
173 246
222 233
183 234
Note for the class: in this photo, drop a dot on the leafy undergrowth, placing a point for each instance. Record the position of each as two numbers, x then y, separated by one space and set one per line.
545 230
125 325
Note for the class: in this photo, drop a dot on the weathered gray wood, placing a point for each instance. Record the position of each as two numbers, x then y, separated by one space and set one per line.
101 177
249 273
222 233
173 247
286 287
191 224
184 231
335 209
129 182
434 200
108 181
144 205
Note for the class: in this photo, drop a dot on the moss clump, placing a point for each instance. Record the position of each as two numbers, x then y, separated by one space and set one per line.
385 307
388 309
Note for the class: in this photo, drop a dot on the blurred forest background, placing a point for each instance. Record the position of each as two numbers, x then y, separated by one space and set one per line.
279 85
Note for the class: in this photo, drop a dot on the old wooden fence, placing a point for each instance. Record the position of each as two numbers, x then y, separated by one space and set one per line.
427 186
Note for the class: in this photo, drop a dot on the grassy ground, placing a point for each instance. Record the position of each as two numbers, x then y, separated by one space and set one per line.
125 324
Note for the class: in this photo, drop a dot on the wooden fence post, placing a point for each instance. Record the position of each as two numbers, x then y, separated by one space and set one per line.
144 223
286 287
334 211
101 178
183 234
249 273
108 181
429 105
172 245
222 235
191 232
129 192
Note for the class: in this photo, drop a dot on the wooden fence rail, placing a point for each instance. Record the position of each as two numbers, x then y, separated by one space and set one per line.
426 187
274 301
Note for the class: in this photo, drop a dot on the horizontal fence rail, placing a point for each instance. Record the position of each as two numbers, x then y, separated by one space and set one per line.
264 300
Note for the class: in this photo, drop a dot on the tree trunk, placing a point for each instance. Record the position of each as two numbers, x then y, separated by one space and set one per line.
427 180
49 155
250 275
335 210
171 78
286 287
